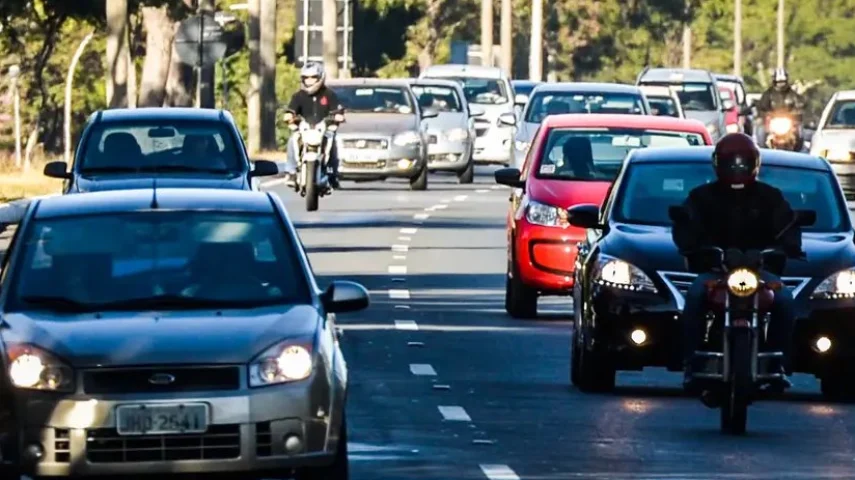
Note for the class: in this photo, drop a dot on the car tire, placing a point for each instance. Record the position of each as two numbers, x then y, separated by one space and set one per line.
420 181
520 299
339 469
596 372
467 175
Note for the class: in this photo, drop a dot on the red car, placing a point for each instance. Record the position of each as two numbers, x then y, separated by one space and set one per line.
573 159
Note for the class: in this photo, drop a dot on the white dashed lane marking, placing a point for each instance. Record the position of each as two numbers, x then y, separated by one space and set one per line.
406 325
445 201
496 187
399 257
454 413
422 369
441 206
400 248
405 239
460 198
398 269
499 472
409 231
421 216
396 294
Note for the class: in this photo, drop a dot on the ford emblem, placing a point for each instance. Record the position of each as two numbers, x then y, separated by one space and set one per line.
161 379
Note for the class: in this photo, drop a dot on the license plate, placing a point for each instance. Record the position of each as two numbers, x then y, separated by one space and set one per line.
167 419
360 157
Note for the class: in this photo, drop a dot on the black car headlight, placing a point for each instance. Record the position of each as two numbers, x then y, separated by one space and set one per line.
285 362
615 273
839 285
33 368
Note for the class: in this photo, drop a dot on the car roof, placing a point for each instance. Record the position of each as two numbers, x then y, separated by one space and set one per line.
388 82
479 71
160 113
608 120
669 75
726 77
525 83
125 201
781 158
435 81
845 95
595 87
656 90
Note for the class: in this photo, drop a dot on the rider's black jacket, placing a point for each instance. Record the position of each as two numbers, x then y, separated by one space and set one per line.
746 219
315 107
774 100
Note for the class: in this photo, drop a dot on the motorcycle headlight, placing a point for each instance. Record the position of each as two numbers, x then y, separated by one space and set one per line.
521 146
33 368
615 273
780 125
312 137
457 134
545 215
742 282
284 362
407 138
839 285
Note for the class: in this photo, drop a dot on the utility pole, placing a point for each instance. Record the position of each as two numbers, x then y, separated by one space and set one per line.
330 36
780 33
267 53
253 109
205 81
535 60
487 33
14 74
687 34
737 38
506 37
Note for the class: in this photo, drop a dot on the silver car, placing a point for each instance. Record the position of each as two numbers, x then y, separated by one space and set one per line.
834 138
383 135
452 131
173 331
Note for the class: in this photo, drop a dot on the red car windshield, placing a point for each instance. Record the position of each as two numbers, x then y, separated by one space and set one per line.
597 155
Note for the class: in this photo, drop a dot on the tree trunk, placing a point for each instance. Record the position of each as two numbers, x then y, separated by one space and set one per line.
253 110
158 55
267 47
118 56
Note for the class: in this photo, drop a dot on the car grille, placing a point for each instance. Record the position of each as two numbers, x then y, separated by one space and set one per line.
105 445
681 281
378 165
136 380
263 440
365 143
62 445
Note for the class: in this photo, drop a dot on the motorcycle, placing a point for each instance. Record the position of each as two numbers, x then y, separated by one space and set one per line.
732 366
311 181
783 132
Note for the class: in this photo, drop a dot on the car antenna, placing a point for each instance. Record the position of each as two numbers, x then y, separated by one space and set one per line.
153 193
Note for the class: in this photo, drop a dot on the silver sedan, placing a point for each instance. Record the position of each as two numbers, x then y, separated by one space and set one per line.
181 332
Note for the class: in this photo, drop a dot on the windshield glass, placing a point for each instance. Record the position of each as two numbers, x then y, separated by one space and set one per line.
441 99
483 91
663 106
649 189
161 145
842 115
598 154
544 104
374 99
166 259
695 97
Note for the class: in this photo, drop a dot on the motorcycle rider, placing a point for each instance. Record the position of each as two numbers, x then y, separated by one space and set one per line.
780 97
313 102
738 212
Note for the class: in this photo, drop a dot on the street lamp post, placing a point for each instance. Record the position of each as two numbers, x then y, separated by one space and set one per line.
14 74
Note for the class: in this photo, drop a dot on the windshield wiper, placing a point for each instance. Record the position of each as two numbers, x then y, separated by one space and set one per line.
57 303
181 302
115 169
180 168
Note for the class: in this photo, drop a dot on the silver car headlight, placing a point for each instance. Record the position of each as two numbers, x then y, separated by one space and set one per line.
545 215
521 145
407 139
615 273
457 134
839 285
287 361
33 368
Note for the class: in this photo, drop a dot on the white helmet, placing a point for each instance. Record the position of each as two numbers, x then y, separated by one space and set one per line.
312 69
780 78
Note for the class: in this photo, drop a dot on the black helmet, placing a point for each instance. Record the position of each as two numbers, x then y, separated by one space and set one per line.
780 79
736 160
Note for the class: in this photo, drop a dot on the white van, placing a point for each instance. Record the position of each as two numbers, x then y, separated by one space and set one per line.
490 89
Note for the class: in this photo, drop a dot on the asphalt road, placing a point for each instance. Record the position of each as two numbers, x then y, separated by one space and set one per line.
444 385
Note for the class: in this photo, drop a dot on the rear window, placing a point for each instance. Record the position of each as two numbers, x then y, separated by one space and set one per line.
544 104
663 106
441 99
161 145
374 99
695 97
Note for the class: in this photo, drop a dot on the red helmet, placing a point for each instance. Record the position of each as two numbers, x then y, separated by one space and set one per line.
736 159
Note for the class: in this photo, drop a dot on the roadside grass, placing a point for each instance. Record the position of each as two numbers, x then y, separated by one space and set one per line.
17 183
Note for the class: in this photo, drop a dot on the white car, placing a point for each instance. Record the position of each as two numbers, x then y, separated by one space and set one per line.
663 101
834 138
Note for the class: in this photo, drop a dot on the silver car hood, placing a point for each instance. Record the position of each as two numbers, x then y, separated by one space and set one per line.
155 338
708 117
377 123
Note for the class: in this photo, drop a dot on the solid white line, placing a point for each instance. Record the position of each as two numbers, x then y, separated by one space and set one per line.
399 294
400 248
405 239
481 190
441 206
409 231
399 257
460 198
421 216
398 269
422 369
499 472
406 325
454 414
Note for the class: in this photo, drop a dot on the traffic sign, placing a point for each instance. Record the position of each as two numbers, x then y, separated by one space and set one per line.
213 39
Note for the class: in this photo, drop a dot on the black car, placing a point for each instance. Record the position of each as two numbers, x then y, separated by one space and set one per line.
630 279
125 148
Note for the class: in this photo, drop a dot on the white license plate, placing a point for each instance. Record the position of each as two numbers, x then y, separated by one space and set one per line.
162 419
359 157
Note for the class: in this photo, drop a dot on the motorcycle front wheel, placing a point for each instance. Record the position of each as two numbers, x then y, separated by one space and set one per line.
312 192
737 392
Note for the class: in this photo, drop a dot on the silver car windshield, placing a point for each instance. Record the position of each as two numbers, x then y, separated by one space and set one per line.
156 259
374 99
695 97
441 99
